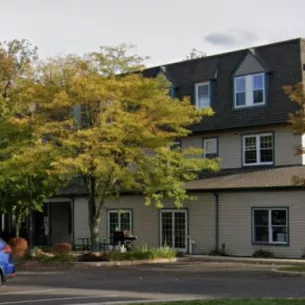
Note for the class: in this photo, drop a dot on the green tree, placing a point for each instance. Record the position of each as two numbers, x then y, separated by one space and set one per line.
114 128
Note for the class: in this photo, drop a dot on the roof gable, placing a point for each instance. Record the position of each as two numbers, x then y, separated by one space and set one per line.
249 65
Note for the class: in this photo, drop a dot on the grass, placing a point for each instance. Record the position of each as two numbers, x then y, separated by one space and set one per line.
237 302
300 268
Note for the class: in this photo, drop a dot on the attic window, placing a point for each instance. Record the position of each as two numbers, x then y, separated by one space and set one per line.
202 95
249 90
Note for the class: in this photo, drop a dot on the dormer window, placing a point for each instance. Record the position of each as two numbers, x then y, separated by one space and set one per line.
249 90
203 95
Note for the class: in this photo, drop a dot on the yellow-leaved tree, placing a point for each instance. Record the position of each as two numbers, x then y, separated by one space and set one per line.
103 121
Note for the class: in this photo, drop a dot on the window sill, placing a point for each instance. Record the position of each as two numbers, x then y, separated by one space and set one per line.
258 164
286 244
250 106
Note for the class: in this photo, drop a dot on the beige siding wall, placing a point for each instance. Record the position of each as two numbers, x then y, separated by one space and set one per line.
230 145
235 221
201 216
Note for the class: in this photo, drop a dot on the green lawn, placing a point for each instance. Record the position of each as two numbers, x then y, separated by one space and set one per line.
237 302
300 268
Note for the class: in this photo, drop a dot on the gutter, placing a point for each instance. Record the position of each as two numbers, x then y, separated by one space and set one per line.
216 220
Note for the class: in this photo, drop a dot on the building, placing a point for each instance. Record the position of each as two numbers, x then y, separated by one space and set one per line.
251 203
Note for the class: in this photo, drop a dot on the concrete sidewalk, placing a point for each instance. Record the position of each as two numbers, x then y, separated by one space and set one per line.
246 260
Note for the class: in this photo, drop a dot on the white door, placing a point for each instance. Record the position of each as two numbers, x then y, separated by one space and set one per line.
173 229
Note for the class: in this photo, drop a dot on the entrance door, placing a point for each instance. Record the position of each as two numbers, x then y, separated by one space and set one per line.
173 229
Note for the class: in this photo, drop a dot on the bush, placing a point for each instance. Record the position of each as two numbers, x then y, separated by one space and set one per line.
62 248
19 247
219 252
142 253
263 254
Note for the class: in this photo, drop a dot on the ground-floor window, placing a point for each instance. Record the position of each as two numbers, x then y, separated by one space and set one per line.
173 229
270 225
119 220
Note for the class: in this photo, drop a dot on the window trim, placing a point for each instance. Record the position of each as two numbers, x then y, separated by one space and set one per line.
209 139
196 93
249 91
270 209
256 135
118 211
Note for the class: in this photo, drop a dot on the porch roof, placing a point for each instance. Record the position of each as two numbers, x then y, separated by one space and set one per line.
248 178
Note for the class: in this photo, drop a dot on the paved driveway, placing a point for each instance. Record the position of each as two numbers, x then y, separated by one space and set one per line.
88 285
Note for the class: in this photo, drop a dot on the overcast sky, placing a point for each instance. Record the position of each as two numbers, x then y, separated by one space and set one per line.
165 30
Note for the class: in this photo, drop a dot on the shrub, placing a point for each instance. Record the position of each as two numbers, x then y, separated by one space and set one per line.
263 254
219 252
62 248
142 253
19 247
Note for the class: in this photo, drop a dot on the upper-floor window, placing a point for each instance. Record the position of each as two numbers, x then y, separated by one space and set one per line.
249 90
210 148
203 95
258 149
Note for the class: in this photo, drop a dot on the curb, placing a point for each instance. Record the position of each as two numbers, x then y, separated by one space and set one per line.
102 264
228 259
277 272
126 263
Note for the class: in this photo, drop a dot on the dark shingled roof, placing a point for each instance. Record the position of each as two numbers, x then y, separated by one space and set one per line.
248 178
282 62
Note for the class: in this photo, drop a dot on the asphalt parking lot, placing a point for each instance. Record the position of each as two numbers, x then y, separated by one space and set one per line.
102 285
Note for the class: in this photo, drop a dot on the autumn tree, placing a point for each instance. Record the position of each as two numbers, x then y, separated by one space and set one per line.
297 119
25 179
115 128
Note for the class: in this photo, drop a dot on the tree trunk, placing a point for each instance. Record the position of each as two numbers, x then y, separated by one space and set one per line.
18 222
94 232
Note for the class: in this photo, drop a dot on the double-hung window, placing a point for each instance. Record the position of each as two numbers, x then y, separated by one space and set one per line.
270 225
203 95
258 149
210 148
249 90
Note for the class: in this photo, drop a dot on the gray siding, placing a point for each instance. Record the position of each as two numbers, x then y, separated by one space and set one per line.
230 145
249 65
236 222
201 220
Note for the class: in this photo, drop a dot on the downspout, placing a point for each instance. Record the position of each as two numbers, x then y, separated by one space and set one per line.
72 220
216 221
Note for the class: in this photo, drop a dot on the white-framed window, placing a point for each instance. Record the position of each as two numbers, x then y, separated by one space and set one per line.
270 225
210 148
174 228
119 220
249 90
203 95
258 149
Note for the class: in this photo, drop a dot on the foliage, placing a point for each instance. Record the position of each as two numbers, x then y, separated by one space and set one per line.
194 53
25 180
98 118
62 248
263 254
19 247
219 252
297 120
143 253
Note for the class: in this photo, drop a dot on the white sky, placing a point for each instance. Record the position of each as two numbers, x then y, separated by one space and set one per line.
165 30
